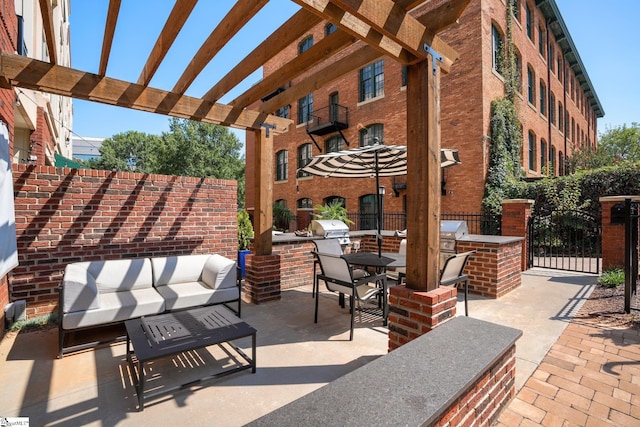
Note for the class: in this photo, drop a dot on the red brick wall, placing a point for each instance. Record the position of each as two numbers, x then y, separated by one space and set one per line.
613 235
67 215
296 263
482 403
42 139
494 270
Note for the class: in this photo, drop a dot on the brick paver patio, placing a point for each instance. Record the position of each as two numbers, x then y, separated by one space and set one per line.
590 377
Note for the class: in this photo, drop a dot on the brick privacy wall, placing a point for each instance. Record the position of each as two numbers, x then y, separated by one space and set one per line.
414 313
494 270
515 219
43 141
484 400
296 263
613 236
68 215
466 95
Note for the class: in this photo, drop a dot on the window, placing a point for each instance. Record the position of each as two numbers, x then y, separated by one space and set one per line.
560 163
305 109
281 165
543 155
543 98
552 160
497 49
531 88
368 212
283 112
305 203
518 60
552 55
372 81
404 75
333 144
560 68
334 103
529 18
560 117
329 28
305 44
515 8
541 42
573 129
373 134
532 151
552 108
305 152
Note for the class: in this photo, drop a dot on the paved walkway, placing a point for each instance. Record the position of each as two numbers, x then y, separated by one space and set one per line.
590 377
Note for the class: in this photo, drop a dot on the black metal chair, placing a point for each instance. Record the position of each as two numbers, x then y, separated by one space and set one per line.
330 246
338 277
453 273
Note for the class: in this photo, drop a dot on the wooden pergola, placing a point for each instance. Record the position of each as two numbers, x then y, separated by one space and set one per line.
374 28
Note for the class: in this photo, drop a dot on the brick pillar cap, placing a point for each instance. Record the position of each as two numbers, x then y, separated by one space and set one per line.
518 201
619 198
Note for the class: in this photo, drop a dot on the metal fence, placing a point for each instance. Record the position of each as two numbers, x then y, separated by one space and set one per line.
477 223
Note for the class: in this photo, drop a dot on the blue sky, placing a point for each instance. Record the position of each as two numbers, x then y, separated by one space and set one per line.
605 33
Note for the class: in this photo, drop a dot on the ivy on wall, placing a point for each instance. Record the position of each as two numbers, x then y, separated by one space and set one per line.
505 131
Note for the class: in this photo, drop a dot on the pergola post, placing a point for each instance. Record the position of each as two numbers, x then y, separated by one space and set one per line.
263 184
423 166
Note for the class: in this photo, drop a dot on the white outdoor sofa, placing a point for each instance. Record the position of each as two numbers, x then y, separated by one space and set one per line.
99 293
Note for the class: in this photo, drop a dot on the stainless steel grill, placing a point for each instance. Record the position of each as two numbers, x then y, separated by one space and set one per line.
450 231
331 229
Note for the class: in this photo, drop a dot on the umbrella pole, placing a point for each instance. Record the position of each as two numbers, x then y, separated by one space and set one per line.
378 209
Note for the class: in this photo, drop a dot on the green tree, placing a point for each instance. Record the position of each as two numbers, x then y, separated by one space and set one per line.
127 151
620 144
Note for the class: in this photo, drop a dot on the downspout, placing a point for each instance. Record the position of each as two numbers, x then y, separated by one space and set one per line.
549 59
564 113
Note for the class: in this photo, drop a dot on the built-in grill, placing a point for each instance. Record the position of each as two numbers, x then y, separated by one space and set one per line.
331 229
450 231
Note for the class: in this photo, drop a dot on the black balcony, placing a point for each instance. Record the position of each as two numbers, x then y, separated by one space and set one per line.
333 118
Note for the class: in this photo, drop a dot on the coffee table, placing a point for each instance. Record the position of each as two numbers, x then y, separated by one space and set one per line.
168 334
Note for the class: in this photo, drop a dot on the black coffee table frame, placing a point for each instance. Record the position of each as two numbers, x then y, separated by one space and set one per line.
168 334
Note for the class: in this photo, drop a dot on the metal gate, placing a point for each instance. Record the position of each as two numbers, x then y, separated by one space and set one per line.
632 228
568 240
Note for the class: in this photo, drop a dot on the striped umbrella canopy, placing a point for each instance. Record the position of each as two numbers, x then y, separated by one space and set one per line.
377 161
365 162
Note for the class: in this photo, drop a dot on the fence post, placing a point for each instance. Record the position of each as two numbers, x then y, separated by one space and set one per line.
613 230
515 217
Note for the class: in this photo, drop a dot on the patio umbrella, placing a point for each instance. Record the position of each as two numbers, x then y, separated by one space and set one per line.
376 160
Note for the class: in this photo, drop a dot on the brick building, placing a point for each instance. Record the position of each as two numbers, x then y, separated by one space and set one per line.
39 123
557 104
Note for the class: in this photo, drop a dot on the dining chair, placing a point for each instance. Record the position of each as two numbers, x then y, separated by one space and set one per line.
400 272
330 246
453 273
338 277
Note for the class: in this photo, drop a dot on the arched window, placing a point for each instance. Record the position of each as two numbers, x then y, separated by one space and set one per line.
372 134
531 85
335 199
305 109
497 49
529 20
518 60
515 8
543 98
560 163
543 155
329 28
552 160
560 117
333 144
532 151
305 203
305 152
281 165
367 212
552 108
305 44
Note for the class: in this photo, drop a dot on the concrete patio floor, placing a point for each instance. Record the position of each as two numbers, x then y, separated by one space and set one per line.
294 357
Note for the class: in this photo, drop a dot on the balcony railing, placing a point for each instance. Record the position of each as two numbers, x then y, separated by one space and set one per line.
329 119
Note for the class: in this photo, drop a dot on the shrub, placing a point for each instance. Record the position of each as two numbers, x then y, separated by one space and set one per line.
611 278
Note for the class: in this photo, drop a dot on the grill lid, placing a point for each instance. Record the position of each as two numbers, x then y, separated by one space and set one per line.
452 229
329 228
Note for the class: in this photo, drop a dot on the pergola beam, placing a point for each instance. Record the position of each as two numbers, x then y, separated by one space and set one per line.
109 31
42 76
49 31
233 22
179 14
290 31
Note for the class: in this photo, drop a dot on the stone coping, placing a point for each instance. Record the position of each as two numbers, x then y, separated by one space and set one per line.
618 198
496 240
412 385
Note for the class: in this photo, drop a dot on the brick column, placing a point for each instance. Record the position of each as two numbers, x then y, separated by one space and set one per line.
414 313
613 232
262 279
515 217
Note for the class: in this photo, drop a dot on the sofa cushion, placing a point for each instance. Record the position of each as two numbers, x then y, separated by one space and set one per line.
192 294
79 289
219 272
119 274
117 307
177 269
